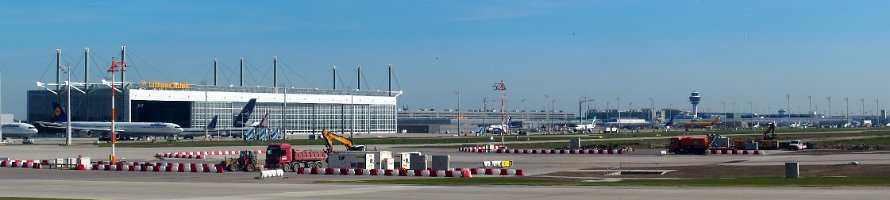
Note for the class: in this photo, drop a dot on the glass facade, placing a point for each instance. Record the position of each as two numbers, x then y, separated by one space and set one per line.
303 118
293 117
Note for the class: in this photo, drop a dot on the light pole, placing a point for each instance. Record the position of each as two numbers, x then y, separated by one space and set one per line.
115 66
484 110
652 112
458 111
847 101
788 103
619 114
503 88
607 109
580 102
810 99
829 107
552 109
863 106
547 115
67 84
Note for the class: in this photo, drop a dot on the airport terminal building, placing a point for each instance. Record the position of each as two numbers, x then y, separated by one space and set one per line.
297 111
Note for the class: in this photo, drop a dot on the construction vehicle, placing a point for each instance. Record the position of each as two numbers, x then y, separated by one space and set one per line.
329 143
282 156
246 161
689 145
769 140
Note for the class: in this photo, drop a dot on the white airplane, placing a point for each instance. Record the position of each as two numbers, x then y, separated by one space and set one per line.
585 127
121 129
18 130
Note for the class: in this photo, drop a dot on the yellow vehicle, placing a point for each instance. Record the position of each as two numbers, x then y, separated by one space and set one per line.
246 161
769 141
329 142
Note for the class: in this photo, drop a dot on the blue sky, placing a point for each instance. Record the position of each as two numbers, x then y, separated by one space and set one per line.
731 51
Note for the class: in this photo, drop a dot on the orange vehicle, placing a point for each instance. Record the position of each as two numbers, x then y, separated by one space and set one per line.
689 145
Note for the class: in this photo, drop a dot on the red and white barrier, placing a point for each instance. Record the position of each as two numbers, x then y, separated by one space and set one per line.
457 172
482 149
161 167
35 164
736 152
201 154
546 151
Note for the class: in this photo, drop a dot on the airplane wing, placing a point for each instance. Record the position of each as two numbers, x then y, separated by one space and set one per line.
52 125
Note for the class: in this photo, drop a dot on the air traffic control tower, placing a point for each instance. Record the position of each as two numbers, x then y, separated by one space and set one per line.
694 98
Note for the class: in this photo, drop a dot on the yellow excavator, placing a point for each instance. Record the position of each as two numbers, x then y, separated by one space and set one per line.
329 142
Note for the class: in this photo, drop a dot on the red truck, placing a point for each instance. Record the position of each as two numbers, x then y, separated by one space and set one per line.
284 157
689 145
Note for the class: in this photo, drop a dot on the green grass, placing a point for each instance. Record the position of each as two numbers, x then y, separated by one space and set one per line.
364 141
709 182
630 139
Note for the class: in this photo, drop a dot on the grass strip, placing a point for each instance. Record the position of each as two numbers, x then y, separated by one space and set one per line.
706 182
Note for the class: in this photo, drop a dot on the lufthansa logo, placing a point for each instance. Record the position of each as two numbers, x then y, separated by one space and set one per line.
58 112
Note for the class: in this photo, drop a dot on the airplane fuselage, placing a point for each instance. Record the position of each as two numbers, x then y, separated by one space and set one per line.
128 129
18 130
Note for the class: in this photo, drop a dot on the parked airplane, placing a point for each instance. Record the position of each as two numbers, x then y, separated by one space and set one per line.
239 124
18 130
190 133
585 127
701 124
103 129
667 125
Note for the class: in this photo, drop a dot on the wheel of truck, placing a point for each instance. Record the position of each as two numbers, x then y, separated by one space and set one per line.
287 167
319 164
250 168
310 164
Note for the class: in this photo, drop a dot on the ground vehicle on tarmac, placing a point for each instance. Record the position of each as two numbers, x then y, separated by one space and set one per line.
330 137
689 145
282 156
246 161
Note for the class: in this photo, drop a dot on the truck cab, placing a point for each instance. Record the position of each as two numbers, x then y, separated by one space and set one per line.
276 154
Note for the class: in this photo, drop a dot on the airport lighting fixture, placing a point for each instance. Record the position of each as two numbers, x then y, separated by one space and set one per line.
580 102
68 87
500 86
115 67
619 114
458 111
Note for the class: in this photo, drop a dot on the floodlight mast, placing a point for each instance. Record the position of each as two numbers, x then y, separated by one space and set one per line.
115 66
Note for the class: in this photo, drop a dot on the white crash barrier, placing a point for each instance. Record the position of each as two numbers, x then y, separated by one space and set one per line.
275 173
497 163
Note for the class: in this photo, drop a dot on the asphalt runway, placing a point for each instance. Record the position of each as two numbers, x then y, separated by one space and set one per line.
167 190
18 182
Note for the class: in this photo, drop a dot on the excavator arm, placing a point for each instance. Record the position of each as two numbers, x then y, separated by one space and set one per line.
770 132
330 137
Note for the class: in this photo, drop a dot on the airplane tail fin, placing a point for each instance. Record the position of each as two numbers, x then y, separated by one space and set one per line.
59 114
717 120
213 122
241 119
593 122
263 122
670 122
